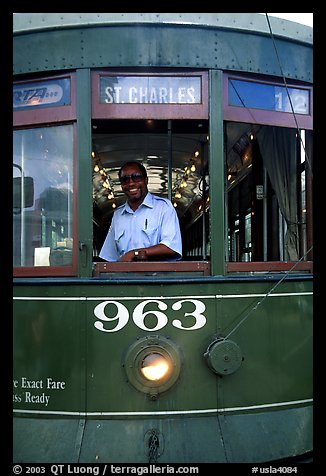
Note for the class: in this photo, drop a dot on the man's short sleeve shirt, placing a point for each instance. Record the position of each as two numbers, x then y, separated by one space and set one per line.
155 221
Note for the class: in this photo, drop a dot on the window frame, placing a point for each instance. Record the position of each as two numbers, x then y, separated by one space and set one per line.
52 117
278 119
150 111
51 114
264 116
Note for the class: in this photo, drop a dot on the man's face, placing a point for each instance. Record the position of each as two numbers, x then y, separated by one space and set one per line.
133 184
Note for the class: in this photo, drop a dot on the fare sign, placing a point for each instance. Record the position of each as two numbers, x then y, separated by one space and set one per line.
150 90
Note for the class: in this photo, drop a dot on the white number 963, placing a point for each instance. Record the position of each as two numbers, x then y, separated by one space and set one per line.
195 318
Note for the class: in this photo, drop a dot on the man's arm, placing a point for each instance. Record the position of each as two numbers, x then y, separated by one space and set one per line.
152 253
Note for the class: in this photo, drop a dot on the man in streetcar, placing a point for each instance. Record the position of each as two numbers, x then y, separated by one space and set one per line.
145 227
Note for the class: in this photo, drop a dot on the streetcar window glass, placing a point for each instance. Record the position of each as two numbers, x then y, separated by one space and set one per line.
43 225
267 170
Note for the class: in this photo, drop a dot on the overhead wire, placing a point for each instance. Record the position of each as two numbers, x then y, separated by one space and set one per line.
255 306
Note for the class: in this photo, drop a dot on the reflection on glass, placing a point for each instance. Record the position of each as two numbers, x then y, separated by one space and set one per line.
43 193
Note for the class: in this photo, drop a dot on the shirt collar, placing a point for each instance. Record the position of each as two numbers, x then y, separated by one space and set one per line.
147 202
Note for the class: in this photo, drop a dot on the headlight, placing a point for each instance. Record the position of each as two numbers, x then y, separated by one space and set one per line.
152 364
155 367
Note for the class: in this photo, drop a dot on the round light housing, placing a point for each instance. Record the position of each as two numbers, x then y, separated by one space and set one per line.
152 364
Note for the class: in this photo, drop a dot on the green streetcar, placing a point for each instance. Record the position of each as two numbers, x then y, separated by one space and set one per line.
203 360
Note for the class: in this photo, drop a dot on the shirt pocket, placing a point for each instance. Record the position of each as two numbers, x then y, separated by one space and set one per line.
118 236
151 235
119 239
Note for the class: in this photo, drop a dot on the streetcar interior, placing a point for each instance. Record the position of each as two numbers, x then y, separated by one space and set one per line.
268 181
265 221
175 154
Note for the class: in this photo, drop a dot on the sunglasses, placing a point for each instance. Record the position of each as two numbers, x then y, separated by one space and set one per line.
134 177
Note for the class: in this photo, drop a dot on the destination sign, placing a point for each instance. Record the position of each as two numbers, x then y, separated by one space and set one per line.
150 90
41 94
268 96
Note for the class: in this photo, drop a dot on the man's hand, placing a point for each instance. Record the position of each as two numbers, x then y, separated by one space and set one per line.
131 256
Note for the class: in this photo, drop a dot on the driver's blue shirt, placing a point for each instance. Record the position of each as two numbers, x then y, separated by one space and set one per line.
154 222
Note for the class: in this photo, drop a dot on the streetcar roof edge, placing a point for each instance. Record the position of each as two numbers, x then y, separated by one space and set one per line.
251 22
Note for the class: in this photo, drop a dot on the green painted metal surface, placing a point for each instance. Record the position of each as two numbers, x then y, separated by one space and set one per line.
84 152
251 22
244 438
160 46
216 144
67 370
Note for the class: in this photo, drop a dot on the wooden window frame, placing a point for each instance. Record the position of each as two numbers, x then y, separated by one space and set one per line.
264 116
52 116
271 118
201 268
